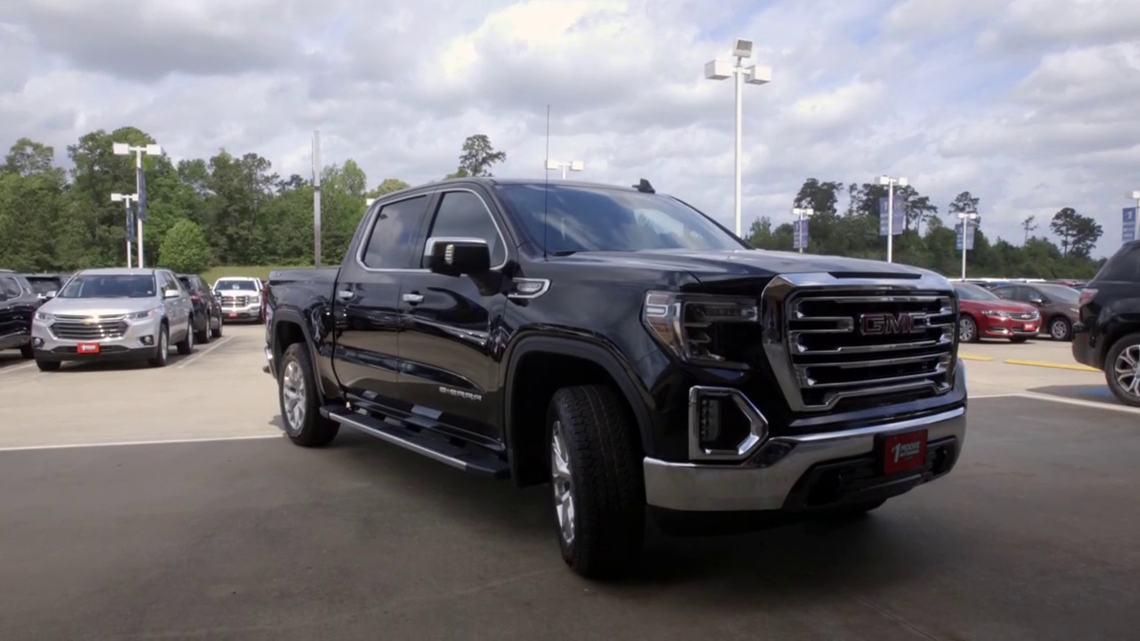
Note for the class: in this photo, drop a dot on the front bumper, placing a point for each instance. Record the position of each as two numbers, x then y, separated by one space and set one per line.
137 341
247 312
999 327
804 473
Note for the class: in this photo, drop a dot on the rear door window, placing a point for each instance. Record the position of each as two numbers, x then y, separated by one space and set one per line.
392 241
1123 266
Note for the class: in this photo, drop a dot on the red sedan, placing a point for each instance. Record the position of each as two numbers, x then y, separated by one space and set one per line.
981 314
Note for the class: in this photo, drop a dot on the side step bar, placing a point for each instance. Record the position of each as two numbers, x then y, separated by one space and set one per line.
467 459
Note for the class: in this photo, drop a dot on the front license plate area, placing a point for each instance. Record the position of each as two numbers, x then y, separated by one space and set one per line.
902 452
87 348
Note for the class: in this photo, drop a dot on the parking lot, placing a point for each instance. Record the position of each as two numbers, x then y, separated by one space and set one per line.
144 503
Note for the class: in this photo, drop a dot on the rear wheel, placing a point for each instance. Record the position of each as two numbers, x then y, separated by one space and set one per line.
1122 370
26 351
1060 329
597 489
300 403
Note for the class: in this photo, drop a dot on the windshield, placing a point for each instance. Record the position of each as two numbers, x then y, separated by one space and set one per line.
599 219
44 285
235 285
110 286
1060 293
967 291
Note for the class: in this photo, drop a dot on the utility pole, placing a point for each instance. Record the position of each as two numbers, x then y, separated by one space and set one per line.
316 199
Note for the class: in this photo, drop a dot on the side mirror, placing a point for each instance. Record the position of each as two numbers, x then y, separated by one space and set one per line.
171 293
50 295
458 256
1036 300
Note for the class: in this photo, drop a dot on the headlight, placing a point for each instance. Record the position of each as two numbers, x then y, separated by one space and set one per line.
150 313
699 328
44 316
993 313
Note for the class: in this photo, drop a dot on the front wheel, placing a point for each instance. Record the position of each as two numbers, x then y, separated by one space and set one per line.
1122 370
597 489
202 336
48 366
162 349
1018 339
216 332
967 330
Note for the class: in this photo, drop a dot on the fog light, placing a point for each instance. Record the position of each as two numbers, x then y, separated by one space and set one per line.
37 342
709 426
147 340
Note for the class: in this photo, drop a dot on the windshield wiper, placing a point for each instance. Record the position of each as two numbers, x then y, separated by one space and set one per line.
564 252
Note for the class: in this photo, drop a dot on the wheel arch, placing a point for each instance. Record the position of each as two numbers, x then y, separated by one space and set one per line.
536 368
289 327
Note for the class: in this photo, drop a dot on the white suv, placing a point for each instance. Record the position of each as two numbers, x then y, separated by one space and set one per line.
240 298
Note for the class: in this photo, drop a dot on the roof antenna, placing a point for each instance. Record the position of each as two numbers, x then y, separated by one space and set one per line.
546 183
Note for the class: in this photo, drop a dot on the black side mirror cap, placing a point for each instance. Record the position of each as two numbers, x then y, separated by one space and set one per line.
457 256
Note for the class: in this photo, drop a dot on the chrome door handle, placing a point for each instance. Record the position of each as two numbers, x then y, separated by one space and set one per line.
345 294
414 299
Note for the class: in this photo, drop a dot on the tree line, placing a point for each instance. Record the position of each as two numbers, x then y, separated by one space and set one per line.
222 210
235 210
928 241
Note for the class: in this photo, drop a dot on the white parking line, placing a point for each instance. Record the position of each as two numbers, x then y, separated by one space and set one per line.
194 357
18 368
1081 402
251 437
973 396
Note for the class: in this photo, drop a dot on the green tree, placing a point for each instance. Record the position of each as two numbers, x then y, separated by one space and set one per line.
478 156
184 249
1078 233
387 186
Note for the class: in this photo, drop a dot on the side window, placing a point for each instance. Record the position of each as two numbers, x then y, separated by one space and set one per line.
11 287
390 242
463 214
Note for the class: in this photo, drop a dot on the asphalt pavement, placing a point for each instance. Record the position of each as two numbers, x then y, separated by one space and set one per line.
249 537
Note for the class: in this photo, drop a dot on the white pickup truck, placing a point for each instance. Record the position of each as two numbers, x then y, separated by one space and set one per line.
241 298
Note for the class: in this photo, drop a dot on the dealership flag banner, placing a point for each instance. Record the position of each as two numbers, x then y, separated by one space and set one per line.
799 234
899 215
969 237
1129 221
142 195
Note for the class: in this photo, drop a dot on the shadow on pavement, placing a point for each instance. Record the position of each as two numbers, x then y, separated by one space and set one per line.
1095 393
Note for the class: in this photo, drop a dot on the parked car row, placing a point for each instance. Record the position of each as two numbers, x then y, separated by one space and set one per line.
118 314
1016 312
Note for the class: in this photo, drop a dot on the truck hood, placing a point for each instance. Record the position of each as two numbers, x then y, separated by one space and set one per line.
99 306
716 265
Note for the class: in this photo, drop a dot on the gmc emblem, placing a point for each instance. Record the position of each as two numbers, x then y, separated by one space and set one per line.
890 324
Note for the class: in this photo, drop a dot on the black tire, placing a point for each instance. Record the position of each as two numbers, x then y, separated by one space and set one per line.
1018 339
1060 329
217 333
967 330
49 366
306 428
162 349
1126 350
202 336
186 345
607 491
26 351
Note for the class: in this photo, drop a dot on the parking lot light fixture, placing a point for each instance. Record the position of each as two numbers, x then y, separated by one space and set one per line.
720 69
966 217
890 184
126 149
572 165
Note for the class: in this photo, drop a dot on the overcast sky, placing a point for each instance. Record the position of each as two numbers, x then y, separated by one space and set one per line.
1032 105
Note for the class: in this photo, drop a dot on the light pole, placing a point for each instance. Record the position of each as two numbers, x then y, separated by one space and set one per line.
890 183
966 217
754 75
572 165
126 200
802 213
125 149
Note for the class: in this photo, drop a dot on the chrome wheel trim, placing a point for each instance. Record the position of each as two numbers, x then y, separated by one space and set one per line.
293 395
1126 370
562 480
1057 329
965 330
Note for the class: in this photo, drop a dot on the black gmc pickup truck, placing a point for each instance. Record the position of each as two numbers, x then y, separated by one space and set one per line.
623 347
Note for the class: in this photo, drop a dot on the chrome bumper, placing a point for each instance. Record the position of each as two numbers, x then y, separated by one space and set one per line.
715 488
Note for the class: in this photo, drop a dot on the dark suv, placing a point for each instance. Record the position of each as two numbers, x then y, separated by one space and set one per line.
1107 336
18 303
207 309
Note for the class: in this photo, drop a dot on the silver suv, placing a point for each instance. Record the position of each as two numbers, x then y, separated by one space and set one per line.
114 314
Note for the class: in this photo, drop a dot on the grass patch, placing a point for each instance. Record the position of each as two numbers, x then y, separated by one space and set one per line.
254 271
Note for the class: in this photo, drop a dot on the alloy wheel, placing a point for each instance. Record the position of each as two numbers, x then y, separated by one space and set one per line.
965 330
1126 369
562 480
1058 330
293 393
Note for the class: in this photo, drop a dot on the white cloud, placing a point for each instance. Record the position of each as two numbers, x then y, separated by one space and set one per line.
1029 105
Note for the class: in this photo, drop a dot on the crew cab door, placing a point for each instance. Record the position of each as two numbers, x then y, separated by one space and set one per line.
366 298
449 370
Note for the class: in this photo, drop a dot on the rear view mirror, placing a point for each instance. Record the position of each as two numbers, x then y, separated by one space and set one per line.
171 293
458 256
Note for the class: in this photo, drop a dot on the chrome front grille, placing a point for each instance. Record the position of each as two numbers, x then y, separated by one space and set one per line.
874 341
1024 316
89 328
235 301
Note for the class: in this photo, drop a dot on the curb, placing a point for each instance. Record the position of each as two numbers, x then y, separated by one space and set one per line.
1079 368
